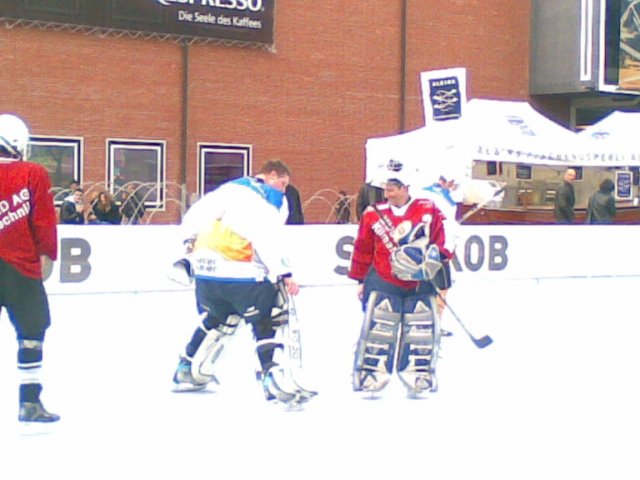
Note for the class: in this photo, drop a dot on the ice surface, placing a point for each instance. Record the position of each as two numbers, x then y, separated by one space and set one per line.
555 397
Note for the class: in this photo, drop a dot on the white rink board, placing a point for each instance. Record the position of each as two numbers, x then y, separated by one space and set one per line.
101 259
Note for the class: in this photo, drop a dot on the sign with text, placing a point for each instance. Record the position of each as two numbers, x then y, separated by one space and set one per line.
135 258
247 21
624 181
444 94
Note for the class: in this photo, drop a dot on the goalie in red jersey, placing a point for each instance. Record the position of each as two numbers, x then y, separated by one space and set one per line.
399 260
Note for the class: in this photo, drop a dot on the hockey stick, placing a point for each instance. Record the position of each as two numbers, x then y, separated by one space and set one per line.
480 206
481 342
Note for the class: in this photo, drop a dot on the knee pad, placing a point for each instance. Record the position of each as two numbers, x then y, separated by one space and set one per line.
204 359
376 348
29 360
29 354
419 344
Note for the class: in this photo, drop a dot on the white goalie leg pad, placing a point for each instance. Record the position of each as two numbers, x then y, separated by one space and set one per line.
276 379
287 333
419 344
204 360
376 349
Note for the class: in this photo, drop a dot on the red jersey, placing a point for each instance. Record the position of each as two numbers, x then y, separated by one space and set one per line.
374 243
27 217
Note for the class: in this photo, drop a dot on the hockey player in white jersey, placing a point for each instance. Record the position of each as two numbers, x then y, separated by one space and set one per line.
235 239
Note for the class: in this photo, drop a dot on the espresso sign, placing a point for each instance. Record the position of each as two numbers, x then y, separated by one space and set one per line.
246 21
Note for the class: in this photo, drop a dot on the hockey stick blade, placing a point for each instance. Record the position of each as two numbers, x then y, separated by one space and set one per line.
482 342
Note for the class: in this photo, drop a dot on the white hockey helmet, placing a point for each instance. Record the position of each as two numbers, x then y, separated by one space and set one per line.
14 137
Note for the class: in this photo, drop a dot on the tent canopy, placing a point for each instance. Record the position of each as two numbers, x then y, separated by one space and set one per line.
502 131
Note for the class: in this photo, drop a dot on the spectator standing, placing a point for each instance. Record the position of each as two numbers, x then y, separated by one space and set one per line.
602 205
368 195
566 198
295 217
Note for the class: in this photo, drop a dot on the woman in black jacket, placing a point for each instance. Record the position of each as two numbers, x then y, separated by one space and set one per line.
602 205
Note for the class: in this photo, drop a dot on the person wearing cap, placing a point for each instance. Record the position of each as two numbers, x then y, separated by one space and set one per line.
398 242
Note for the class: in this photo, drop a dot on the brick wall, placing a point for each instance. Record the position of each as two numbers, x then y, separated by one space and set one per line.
334 81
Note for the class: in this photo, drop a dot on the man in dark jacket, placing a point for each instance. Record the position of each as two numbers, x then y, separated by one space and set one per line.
566 198
296 217
72 210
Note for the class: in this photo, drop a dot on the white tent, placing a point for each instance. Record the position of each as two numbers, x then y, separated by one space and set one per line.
509 131
490 130
422 154
612 141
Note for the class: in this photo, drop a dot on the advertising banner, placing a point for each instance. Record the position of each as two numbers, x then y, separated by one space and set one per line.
123 258
247 21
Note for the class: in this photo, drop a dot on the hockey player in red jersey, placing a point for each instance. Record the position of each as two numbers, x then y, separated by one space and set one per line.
27 234
397 261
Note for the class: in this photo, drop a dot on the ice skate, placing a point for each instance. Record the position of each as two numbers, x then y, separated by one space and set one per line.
273 390
34 412
370 381
184 379
303 392
419 383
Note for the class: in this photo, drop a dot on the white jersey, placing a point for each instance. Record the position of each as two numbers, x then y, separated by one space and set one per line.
447 202
239 231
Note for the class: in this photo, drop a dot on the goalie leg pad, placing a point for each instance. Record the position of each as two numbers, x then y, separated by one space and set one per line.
287 332
277 381
204 359
419 344
376 349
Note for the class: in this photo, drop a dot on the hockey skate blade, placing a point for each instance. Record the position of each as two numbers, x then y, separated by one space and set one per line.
34 429
304 392
188 387
298 403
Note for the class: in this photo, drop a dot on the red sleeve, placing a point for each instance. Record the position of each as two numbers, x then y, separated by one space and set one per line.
363 248
43 219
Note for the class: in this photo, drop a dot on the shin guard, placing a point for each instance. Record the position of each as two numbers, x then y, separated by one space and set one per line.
419 344
208 352
376 349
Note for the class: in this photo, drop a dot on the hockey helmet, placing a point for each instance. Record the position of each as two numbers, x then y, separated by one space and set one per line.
14 137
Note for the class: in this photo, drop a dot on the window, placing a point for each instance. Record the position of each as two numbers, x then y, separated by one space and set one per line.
62 157
141 163
523 172
219 163
578 171
494 168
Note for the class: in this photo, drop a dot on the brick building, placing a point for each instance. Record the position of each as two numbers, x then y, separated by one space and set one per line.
334 74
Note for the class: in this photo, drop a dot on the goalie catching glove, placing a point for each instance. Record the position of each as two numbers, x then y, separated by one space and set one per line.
416 261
